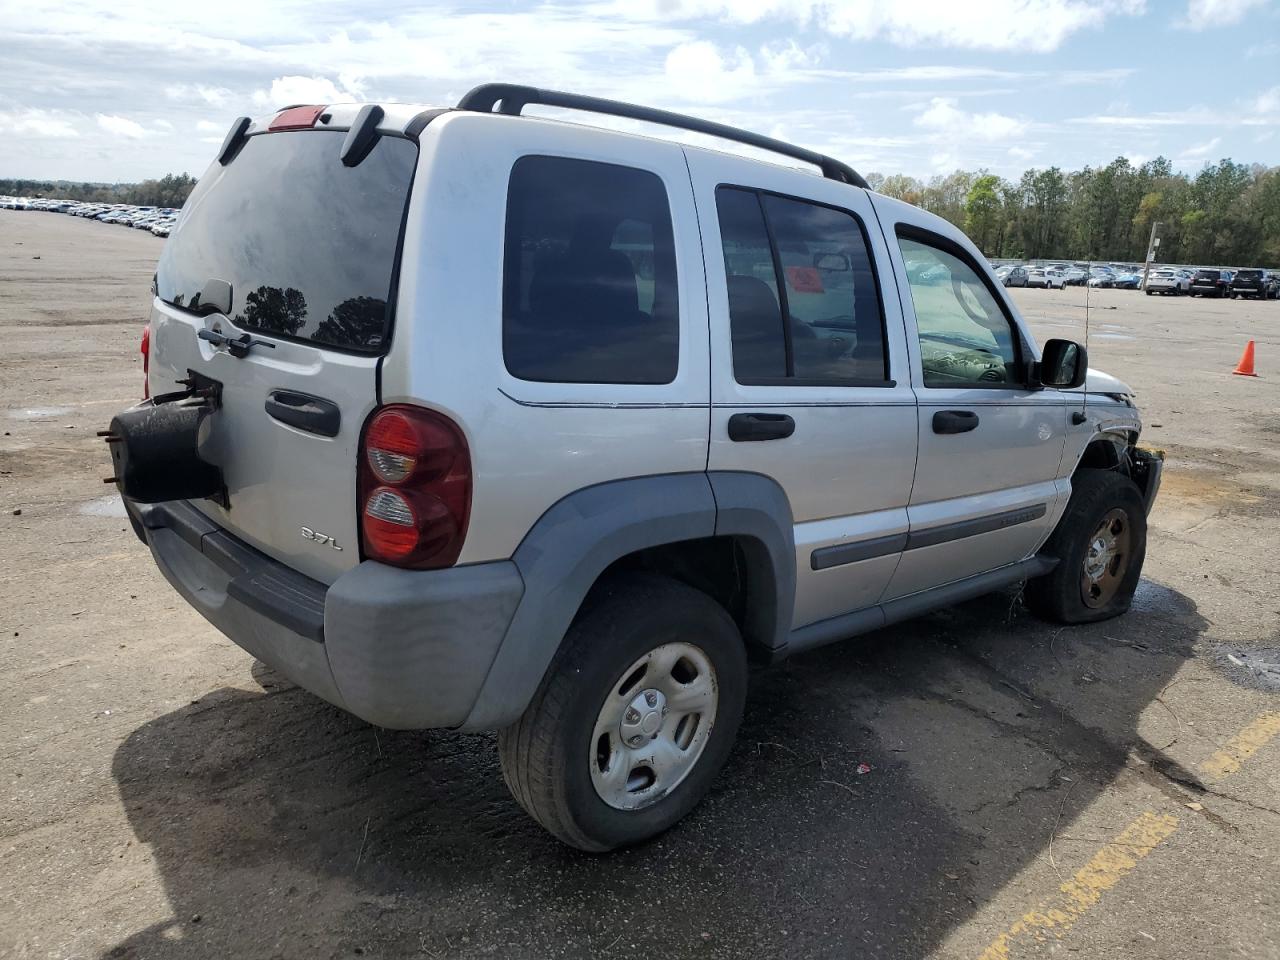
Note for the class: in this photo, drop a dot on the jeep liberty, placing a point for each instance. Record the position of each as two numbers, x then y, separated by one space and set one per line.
462 418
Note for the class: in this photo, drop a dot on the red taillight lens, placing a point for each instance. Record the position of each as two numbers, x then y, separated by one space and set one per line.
415 488
145 349
296 118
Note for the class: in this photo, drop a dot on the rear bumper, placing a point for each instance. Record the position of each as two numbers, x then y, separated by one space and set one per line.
399 648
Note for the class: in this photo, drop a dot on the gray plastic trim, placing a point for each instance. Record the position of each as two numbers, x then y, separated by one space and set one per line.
971 528
904 608
576 540
842 553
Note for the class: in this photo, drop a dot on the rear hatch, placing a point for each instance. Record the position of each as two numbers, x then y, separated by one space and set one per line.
1248 280
1206 278
309 249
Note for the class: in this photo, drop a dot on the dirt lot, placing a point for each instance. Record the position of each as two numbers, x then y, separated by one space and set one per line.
1102 791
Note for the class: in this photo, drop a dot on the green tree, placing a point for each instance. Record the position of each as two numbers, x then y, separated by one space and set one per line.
982 212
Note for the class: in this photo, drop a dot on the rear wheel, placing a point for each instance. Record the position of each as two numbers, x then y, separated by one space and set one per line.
634 719
1100 544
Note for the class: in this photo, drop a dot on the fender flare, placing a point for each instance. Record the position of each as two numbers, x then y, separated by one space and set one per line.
576 540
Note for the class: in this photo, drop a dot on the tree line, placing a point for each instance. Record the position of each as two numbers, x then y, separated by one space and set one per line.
1228 214
171 190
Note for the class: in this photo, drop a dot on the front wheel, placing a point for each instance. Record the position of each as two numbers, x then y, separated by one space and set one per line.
1100 544
634 719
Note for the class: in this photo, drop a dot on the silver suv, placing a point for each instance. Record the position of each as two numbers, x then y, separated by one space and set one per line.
461 418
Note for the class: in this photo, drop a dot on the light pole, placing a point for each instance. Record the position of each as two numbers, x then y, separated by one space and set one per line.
1153 245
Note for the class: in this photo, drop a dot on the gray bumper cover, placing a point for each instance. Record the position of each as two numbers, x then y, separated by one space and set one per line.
399 648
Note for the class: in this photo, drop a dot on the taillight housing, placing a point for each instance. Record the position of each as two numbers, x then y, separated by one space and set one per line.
145 349
414 488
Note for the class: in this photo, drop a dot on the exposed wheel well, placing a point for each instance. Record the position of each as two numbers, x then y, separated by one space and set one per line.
732 570
1108 452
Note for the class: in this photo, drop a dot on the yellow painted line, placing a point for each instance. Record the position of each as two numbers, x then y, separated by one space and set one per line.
1241 747
1107 868
1110 864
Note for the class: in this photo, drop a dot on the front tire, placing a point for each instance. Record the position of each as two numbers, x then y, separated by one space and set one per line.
1100 544
635 717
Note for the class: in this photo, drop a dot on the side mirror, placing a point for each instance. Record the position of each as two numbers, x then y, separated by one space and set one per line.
1063 364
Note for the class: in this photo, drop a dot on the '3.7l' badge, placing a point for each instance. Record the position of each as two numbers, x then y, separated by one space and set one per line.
321 538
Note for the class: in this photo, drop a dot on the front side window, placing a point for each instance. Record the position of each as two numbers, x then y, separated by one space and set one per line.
966 339
803 303
589 274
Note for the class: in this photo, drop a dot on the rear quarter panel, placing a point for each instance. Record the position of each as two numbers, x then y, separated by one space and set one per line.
532 443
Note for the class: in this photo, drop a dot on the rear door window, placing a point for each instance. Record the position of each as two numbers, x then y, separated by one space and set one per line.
803 303
308 245
589 274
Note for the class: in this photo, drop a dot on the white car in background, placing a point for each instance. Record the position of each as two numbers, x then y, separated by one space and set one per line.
1175 282
1048 278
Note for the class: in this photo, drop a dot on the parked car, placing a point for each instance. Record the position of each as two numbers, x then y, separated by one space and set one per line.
575 521
1253 283
1043 278
1102 277
1013 276
1075 276
1175 282
1127 281
1211 283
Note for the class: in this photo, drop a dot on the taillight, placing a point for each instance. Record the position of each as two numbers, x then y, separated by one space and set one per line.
414 489
145 349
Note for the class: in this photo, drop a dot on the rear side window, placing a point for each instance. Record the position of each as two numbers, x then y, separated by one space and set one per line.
803 302
308 245
589 274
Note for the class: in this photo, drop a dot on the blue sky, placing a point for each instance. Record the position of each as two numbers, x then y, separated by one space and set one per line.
127 89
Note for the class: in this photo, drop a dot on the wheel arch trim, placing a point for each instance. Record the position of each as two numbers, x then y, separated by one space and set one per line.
579 537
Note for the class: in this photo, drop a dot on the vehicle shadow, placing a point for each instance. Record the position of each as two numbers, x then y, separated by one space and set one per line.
284 827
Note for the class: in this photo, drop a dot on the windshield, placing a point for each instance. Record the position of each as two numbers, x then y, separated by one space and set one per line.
308 245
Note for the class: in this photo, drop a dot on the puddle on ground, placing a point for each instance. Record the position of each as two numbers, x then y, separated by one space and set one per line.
1258 668
109 506
36 413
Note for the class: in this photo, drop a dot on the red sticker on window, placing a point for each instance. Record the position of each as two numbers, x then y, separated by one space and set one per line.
804 279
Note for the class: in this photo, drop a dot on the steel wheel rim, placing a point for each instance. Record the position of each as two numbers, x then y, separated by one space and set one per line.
1106 559
653 726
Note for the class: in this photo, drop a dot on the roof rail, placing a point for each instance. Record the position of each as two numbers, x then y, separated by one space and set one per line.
511 98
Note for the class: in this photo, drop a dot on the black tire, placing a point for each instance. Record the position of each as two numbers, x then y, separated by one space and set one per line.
1060 596
547 754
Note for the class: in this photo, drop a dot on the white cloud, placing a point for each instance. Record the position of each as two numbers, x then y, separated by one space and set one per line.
35 123
1200 149
946 119
286 91
1023 25
1021 153
214 96
699 71
1268 102
1207 14
208 126
122 126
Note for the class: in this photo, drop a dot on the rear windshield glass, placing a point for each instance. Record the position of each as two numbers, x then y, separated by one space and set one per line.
1249 275
1207 275
307 244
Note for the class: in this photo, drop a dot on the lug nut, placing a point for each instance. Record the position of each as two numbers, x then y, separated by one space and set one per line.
650 697
632 715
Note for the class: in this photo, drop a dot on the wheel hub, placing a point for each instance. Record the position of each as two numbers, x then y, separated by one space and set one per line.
1098 558
643 717
653 726
1106 559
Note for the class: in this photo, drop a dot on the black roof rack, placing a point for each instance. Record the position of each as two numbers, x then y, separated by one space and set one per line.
511 98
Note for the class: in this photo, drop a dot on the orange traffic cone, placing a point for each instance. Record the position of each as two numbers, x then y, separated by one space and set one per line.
1245 367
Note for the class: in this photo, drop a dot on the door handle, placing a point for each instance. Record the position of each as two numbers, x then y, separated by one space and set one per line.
954 421
301 410
746 427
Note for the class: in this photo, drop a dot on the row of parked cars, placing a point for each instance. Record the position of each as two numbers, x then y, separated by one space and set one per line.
158 220
1253 283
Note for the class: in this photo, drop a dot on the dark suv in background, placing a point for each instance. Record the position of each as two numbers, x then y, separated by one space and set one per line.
1211 283
1255 283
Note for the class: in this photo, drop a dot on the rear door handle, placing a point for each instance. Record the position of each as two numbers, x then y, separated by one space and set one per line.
954 421
301 410
746 427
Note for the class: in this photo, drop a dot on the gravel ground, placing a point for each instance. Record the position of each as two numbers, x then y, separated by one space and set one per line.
1111 790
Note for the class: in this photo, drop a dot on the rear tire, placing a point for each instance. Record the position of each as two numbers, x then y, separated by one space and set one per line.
1100 544
605 756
